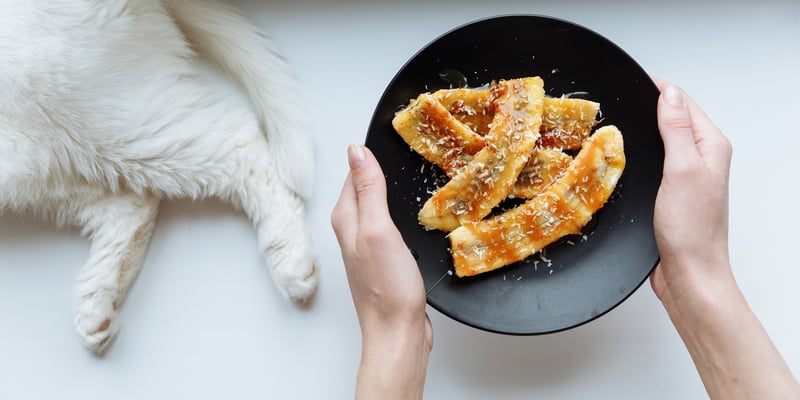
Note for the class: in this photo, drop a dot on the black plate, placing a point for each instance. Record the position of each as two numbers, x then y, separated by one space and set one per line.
585 278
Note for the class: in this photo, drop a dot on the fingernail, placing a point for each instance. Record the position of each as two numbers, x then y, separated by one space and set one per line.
673 96
355 155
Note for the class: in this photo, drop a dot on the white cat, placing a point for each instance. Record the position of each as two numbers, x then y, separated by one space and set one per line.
102 116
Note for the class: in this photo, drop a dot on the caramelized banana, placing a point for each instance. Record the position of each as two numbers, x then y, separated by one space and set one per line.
473 107
489 177
449 133
436 135
563 209
543 168
565 124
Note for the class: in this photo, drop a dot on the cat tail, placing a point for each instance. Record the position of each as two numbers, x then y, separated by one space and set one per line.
220 33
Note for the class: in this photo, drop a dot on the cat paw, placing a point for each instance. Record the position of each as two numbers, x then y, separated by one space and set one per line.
295 275
96 322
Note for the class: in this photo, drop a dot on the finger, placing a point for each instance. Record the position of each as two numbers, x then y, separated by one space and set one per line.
675 126
698 117
344 217
711 143
660 83
370 186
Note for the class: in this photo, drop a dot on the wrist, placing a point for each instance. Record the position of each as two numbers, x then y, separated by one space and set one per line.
393 326
696 279
714 302
394 359
700 295
393 365
395 349
396 340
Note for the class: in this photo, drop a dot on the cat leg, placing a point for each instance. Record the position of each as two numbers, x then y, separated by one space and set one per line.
119 227
210 149
278 214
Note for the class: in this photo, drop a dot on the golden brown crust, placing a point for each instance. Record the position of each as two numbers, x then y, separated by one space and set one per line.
447 128
489 176
542 169
566 122
563 209
473 107
436 135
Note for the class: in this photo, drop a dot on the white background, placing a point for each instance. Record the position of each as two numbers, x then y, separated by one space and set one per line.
204 322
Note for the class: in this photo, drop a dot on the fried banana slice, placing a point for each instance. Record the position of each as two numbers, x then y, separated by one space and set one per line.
473 107
436 135
565 124
563 209
543 168
442 140
488 178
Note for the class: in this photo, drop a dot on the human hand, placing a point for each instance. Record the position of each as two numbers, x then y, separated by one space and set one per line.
691 211
729 346
385 283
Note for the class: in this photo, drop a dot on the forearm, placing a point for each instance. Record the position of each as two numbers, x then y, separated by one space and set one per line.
393 366
730 348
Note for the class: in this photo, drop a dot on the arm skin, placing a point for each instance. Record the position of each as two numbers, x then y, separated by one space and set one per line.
386 286
731 350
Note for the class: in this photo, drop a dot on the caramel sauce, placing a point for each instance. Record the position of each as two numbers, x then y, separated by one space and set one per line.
453 151
440 139
565 124
473 107
547 217
491 174
440 123
544 167
591 191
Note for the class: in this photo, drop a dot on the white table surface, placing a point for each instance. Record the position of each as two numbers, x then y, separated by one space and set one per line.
204 322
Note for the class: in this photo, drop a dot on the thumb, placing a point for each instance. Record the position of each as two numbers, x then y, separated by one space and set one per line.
369 183
675 125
